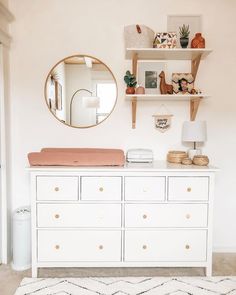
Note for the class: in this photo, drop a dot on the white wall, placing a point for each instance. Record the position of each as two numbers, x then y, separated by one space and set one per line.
46 31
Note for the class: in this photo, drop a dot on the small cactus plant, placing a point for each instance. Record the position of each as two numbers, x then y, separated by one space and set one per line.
184 31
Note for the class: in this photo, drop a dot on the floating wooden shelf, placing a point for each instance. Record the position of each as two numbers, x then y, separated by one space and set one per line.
165 97
167 54
193 55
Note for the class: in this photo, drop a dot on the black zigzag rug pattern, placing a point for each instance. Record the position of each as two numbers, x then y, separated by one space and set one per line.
128 286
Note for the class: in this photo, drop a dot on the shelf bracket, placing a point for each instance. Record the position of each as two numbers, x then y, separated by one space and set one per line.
195 65
134 99
194 105
134 110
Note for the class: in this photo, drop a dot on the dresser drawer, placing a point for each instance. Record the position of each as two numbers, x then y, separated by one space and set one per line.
79 215
101 188
145 188
73 246
188 188
166 245
166 215
57 188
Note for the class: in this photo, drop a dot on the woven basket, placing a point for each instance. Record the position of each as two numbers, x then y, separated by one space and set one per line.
187 161
138 36
200 160
176 156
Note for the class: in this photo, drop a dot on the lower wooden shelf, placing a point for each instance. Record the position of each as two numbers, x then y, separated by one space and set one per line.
194 100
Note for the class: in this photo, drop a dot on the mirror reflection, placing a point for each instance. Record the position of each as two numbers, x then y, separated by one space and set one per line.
81 91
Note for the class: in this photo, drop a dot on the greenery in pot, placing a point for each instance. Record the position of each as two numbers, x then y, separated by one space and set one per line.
184 35
131 82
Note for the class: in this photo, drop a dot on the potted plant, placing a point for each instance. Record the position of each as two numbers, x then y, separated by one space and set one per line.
184 35
131 82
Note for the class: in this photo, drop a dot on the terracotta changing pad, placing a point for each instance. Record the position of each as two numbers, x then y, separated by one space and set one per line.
77 157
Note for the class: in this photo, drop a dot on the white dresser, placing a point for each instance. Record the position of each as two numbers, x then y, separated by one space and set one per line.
146 215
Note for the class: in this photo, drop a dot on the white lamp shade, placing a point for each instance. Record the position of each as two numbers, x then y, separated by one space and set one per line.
91 102
194 131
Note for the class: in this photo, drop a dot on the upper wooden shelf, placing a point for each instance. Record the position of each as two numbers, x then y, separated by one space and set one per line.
167 54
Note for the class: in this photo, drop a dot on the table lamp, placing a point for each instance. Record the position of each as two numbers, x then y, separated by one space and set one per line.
194 131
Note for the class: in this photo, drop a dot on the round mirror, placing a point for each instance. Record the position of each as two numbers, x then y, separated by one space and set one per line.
81 91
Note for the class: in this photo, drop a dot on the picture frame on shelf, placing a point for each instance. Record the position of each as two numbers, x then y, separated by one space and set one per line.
176 21
183 83
148 75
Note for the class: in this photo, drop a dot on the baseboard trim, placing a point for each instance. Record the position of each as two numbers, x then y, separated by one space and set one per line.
224 249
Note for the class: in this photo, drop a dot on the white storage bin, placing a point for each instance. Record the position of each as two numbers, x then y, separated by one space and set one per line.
21 239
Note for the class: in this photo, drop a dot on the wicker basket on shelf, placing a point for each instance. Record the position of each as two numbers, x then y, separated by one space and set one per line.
176 156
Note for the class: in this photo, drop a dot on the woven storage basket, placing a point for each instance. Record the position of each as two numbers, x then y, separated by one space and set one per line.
138 36
186 161
176 156
200 160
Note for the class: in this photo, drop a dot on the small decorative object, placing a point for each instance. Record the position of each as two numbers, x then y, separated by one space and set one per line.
187 161
184 35
183 83
194 131
200 160
164 87
163 119
165 40
198 41
177 20
140 90
138 36
131 82
176 156
148 75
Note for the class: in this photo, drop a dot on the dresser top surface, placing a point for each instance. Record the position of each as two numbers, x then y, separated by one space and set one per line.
157 166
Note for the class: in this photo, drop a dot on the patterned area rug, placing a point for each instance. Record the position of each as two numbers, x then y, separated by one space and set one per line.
129 286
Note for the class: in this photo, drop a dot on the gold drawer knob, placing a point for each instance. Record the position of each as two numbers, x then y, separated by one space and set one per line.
144 216
57 247
57 216
187 247
188 216
101 189
100 247
56 189
189 189
144 247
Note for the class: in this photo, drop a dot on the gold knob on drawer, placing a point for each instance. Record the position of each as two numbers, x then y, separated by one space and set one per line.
144 247
189 189
187 247
188 216
56 189
57 247
57 216
100 247
144 216
101 189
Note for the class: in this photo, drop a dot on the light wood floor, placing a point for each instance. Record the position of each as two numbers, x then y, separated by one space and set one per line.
223 265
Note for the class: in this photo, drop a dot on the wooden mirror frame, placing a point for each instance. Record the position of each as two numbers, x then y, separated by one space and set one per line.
48 77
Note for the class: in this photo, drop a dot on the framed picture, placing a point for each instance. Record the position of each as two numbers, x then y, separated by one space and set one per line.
183 83
148 75
176 21
58 95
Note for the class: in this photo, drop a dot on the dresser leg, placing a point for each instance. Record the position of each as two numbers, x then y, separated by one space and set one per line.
34 272
209 271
